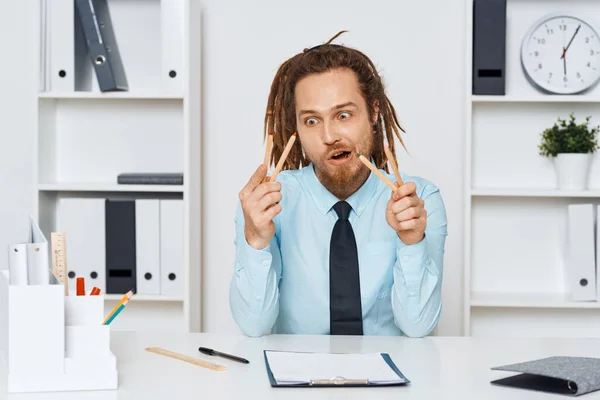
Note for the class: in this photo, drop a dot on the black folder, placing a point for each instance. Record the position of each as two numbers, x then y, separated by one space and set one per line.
120 246
570 376
101 44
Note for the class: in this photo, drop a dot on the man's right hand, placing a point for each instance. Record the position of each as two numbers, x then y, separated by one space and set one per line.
260 203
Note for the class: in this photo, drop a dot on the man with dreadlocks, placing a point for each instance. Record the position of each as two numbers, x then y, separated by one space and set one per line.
327 247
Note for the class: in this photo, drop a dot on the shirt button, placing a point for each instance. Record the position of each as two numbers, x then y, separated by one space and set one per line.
258 297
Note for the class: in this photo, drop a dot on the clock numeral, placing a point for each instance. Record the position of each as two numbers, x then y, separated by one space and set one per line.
587 39
562 27
589 64
550 31
565 79
578 75
542 41
591 52
539 66
536 53
550 75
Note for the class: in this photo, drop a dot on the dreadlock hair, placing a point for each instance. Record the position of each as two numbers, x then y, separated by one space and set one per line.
280 117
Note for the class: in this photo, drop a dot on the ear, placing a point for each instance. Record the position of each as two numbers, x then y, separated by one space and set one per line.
375 111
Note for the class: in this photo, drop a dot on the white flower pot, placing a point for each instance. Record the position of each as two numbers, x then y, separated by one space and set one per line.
572 170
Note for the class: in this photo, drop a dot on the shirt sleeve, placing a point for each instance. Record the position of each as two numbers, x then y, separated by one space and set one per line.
254 288
416 297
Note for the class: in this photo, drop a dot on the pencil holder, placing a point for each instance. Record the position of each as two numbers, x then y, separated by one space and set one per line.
52 342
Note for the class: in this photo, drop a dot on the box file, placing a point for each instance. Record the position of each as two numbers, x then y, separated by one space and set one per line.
147 242
581 254
120 246
61 38
52 342
171 247
102 46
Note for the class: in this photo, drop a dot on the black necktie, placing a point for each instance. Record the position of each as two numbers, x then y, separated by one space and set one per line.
344 282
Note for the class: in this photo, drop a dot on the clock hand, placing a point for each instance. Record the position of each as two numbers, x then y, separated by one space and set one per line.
570 41
565 64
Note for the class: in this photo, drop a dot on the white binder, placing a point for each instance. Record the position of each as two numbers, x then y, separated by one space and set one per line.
82 221
581 254
147 242
61 42
17 264
38 256
172 36
171 247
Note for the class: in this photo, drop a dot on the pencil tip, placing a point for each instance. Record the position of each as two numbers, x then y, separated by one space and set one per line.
294 134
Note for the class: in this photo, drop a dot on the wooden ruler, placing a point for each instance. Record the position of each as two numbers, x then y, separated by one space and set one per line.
191 360
59 258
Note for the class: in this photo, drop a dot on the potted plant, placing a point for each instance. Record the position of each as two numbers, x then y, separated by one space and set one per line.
571 147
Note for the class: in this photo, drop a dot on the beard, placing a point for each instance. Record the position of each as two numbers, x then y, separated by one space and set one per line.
343 180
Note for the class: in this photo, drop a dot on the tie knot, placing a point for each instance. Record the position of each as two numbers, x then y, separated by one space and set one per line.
342 209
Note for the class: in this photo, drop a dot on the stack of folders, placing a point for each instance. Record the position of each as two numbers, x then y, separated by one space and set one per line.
28 262
583 247
123 244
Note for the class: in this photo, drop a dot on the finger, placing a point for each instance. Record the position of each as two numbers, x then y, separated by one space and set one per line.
272 212
268 200
263 189
408 225
406 190
404 203
254 181
409 213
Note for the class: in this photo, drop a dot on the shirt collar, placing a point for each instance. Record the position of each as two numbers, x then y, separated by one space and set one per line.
325 200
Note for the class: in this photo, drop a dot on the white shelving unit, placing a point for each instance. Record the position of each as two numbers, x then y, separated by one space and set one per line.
86 137
515 219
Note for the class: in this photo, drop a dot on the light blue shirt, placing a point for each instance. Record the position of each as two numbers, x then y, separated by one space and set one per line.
284 288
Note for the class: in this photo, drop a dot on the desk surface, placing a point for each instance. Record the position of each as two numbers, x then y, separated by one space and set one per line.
438 367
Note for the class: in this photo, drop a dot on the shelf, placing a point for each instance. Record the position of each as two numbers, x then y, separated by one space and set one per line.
536 99
485 192
528 300
107 187
110 95
143 297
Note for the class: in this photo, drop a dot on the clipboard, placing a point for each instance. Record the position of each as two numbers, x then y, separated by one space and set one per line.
339 381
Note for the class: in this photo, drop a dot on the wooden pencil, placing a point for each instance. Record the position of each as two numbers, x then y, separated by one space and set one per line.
377 172
392 160
268 150
286 151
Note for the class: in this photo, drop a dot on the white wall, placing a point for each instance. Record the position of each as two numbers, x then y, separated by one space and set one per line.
18 70
418 46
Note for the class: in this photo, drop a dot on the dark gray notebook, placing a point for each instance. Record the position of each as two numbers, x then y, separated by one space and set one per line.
571 376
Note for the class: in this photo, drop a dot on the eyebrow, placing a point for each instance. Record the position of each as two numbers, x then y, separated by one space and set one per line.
337 107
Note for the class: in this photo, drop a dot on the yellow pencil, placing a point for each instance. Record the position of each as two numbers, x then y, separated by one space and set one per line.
390 157
268 151
377 172
125 298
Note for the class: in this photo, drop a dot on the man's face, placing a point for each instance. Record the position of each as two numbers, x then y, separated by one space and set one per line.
333 123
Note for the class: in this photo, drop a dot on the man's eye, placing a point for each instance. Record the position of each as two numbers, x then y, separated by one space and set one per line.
344 115
311 121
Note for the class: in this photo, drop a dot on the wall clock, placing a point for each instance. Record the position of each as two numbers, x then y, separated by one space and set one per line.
560 54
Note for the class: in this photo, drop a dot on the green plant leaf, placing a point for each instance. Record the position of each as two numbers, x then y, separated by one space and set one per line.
569 137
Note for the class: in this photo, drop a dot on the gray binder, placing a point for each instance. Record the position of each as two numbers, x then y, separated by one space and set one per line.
572 376
101 42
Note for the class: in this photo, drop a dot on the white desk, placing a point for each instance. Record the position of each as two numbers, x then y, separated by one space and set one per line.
438 367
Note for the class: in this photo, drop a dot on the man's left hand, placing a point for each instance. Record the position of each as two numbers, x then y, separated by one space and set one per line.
406 214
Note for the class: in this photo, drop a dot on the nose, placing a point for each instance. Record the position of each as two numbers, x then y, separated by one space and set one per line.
330 133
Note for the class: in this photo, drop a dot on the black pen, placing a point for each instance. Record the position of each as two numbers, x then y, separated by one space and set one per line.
211 352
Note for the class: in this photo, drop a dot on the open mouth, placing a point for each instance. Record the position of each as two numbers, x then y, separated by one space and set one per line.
340 155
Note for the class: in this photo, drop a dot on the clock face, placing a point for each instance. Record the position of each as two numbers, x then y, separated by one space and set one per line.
561 54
